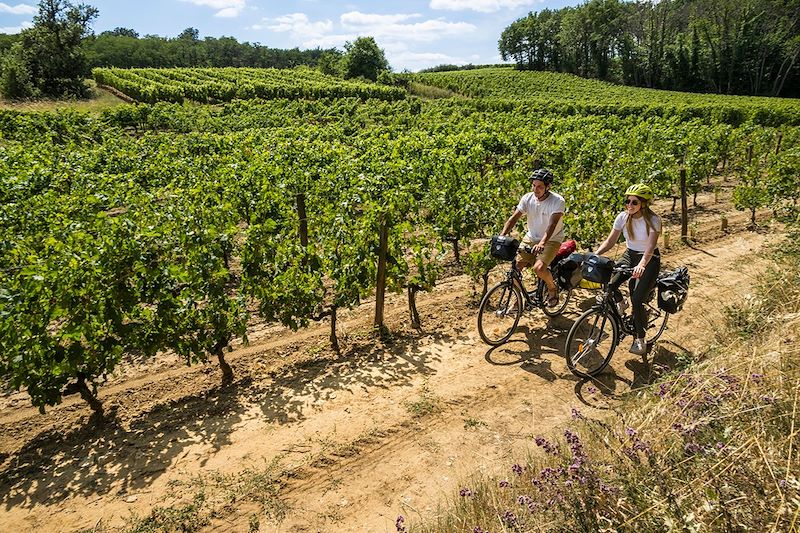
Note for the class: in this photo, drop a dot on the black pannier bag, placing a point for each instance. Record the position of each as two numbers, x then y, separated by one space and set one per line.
504 247
568 271
598 269
673 289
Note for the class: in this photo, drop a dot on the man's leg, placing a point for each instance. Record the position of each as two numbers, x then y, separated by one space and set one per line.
543 260
544 274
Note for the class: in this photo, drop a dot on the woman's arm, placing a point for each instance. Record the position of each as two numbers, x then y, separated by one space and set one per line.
511 222
610 241
652 241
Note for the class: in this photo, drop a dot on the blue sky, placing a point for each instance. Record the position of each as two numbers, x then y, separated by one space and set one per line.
414 33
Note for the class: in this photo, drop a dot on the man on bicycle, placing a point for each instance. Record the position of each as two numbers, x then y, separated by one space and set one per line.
545 210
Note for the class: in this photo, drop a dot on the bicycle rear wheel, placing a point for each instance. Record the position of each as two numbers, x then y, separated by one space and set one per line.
499 313
656 323
591 342
563 299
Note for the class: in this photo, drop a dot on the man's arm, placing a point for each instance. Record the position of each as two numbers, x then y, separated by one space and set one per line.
511 222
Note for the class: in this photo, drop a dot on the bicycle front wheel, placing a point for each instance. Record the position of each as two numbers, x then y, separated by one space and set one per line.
499 314
591 342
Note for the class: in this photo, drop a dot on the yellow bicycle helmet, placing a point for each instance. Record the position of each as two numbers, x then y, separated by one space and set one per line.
641 190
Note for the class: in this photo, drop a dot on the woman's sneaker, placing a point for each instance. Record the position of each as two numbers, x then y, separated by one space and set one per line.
639 347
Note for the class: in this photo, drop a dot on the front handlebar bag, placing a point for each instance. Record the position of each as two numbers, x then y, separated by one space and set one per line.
504 247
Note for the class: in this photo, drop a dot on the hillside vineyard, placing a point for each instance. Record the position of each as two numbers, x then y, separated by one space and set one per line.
159 226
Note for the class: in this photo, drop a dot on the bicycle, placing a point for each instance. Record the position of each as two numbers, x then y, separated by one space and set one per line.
502 307
595 335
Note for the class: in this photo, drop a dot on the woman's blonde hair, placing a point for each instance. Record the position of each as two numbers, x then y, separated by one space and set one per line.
648 215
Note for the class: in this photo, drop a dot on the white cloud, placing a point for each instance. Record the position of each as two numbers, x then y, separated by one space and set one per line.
384 28
19 9
298 25
9 30
390 27
228 12
225 8
330 41
483 6
395 33
355 18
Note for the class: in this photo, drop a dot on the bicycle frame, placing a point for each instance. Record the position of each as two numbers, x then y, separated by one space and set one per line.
607 304
514 277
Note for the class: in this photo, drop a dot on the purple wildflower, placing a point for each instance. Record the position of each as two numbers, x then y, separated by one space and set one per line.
756 377
546 445
510 518
591 390
465 492
768 399
524 500
517 469
607 489
630 432
504 483
398 524
691 448
576 415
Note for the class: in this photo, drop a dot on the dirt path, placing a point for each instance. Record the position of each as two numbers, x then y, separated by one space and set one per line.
346 441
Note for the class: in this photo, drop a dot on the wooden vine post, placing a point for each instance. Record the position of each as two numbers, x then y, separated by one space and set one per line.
380 288
684 208
416 323
753 184
301 214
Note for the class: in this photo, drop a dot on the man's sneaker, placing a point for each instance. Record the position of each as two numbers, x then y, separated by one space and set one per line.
638 347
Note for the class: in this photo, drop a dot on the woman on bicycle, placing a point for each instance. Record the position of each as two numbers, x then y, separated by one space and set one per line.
641 228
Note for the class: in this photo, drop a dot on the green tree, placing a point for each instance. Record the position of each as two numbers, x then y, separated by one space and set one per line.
122 32
363 58
15 76
53 47
328 63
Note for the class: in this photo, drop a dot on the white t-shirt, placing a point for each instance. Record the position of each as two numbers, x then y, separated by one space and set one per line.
539 214
638 241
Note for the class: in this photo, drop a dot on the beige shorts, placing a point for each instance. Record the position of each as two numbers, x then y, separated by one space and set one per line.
545 256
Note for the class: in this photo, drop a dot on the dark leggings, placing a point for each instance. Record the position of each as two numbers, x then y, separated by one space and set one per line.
639 288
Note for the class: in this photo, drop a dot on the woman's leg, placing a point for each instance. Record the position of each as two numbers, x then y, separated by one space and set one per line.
618 279
640 289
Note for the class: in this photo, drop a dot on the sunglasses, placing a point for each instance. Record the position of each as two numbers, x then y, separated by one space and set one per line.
631 201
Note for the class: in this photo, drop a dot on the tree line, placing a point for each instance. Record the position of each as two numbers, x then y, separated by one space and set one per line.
124 48
721 46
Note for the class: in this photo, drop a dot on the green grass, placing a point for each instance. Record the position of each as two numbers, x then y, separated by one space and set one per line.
426 404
